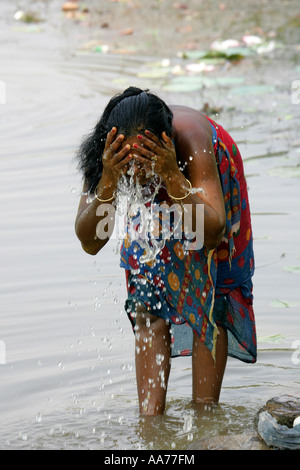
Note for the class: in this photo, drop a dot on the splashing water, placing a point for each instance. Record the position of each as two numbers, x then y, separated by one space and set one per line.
159 359
136 203
146 221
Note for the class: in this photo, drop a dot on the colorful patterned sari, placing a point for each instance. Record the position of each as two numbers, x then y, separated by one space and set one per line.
198 290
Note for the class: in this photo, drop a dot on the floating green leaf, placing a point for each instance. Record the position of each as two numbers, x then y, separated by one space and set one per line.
253 89
283 304
197 82
232 54
292 269
288 117
285 171
228 80
271 339
194 55
279 304
155 72
186 83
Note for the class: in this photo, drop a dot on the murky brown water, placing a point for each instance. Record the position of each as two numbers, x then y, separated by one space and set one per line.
69 380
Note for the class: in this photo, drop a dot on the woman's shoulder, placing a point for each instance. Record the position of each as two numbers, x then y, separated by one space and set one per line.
188 122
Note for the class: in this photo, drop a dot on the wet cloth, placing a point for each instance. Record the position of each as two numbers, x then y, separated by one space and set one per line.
198 290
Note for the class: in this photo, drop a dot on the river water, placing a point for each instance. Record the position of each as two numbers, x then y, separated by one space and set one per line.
67 354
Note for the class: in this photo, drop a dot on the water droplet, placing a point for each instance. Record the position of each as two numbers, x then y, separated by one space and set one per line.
188 423
159 359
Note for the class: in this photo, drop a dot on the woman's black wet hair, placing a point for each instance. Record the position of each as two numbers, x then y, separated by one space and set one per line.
131 112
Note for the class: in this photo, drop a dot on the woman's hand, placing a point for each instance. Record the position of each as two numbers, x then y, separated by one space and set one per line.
115 158
115 161
157 157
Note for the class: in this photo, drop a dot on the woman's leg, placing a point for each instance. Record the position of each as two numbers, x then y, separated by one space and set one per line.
152 359
207 373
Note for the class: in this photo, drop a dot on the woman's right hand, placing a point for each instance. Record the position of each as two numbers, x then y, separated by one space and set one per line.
115 158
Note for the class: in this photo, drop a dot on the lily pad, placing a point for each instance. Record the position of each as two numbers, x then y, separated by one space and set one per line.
197 82
266 155
271 339
253 89
223 55
194 55
228 80
242 51
154 73
284 304
285 171
292 269
186 84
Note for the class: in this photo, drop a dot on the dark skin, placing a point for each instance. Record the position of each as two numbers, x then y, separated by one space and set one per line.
192 137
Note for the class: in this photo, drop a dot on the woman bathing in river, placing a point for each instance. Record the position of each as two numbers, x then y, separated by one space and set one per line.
185 301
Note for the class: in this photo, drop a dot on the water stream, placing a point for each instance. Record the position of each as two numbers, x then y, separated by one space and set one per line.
68 378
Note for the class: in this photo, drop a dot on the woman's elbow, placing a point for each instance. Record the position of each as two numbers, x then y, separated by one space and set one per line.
215 238
90 249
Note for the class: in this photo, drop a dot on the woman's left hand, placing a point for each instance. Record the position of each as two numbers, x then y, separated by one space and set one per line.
158 157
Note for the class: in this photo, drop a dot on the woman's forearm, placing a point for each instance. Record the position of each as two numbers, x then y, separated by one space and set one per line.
95 220
93 229
212 228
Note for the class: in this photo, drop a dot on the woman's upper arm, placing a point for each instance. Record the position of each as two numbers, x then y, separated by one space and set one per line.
83 203
196 150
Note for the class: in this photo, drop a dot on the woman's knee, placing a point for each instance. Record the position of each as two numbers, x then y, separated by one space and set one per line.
145 320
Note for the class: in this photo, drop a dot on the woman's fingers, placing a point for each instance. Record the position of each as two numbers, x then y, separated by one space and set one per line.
160 143
151 147
113 141
146 154
167 139
153 137
149 150
144 162
121 154
110 138
115 145
151 142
